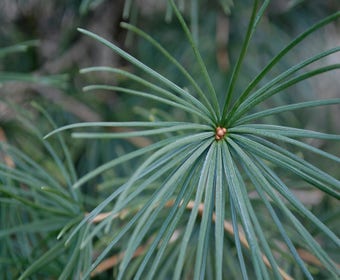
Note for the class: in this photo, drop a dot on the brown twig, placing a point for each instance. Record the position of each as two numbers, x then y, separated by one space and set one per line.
6 158
114 260
228 227
308 257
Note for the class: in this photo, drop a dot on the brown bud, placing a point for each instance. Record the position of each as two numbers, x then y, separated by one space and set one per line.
220 133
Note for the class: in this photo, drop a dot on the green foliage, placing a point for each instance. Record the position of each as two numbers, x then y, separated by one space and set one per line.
56 80
197 202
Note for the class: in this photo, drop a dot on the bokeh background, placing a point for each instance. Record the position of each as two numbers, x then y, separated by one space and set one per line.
56 51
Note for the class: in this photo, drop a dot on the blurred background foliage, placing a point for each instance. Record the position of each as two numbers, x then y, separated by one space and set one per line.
41 54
